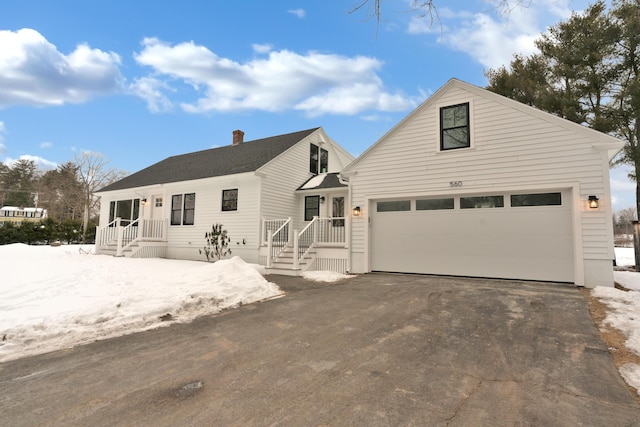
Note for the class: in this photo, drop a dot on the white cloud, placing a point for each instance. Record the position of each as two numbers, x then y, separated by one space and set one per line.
491 37
41 163
34 72
300 13
46 144
150 89
262 48
316 83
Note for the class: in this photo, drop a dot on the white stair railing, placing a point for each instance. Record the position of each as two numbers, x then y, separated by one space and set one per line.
125 236
277 240
304 241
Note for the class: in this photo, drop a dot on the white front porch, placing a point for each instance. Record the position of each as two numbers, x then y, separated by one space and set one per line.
140 238
321 245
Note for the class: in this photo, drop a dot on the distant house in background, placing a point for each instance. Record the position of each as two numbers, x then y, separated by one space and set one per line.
468 184
260 191
19 214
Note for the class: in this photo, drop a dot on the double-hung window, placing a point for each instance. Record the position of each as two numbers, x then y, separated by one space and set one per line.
311 207
454 127
183 208
230 200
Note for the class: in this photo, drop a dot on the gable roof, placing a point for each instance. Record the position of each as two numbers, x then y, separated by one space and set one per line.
231 159
604 141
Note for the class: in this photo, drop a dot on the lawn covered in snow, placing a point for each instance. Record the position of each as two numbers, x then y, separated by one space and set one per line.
59 297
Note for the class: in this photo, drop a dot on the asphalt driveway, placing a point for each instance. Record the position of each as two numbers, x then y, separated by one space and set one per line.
375 350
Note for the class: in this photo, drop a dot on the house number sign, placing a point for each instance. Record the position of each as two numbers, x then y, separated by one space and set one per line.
455 183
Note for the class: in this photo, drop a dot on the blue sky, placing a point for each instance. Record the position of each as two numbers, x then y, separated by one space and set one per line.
138 81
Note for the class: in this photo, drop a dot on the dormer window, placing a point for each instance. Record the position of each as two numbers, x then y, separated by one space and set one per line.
318 160
454 127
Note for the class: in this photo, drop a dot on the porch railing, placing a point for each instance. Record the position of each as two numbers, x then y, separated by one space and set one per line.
331 230
277 239
304 241
319 232
124 236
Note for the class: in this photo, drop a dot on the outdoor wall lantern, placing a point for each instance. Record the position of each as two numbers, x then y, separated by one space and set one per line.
321 199
144 202
356 211
593 202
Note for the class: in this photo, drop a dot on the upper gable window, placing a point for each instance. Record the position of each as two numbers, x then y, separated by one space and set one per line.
318 160
454 127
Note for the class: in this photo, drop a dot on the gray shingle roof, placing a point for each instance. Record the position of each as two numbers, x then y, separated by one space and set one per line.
231 159
329 180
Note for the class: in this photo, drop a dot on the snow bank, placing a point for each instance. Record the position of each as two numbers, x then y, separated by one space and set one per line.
325 276
59 297
623 314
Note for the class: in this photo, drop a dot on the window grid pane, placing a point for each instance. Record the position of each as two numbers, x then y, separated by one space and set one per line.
324 160
481 202
394 206
176 209
189 209
537 199
313 159
434 204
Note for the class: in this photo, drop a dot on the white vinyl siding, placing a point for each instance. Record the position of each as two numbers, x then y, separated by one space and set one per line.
512 149
242 224
283 175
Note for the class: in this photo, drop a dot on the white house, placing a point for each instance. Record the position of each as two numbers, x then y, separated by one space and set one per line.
475 184
274 185
17 214
469 184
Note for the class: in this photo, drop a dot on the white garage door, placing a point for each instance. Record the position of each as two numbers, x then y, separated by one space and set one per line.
524 235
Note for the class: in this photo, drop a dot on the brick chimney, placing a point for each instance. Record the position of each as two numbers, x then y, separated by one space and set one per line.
238 137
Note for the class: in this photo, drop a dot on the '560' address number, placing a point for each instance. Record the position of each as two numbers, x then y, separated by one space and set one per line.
455 183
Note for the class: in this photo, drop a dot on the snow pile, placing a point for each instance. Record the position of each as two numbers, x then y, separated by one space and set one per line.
59 297
325 276
625 256
623 314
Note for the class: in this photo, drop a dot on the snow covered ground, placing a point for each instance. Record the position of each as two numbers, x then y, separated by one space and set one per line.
59 297
624 310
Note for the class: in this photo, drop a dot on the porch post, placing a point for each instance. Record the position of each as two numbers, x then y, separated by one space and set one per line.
316 221
119 232
296 244
289 236
269 247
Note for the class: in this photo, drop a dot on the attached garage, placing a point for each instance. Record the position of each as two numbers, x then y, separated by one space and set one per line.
515 235
471 183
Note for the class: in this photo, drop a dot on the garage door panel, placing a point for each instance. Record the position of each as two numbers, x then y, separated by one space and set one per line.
525 242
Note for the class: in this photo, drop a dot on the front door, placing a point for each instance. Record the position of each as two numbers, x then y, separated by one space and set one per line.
335 226
337 206
156 207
